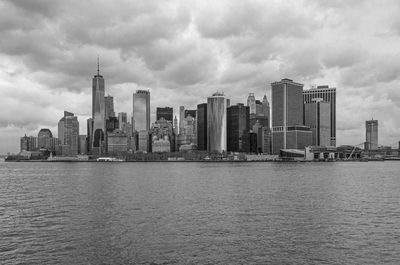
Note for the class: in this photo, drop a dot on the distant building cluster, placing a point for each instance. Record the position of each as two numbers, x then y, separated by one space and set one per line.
294 120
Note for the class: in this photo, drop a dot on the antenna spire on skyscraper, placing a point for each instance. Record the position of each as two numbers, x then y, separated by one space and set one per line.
98 65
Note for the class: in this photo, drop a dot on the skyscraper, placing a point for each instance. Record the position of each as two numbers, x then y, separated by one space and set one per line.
329 95
266 109
167 113
45 139
202 126
181 117
371 135
188 135
98 113
251 103
238 125
216 123
28 143
82 145
122 120
141 110
68 134
89 138
317 116
109 106
176 126
288 130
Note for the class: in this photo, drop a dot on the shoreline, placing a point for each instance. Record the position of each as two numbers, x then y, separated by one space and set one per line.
199 161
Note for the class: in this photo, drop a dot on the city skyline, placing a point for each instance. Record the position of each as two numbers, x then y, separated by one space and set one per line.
174 51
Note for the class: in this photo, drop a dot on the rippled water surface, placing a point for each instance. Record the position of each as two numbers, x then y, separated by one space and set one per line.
200 213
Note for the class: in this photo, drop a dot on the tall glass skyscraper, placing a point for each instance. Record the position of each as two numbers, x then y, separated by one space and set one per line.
288 129
98 113
68 134
328 94
109 107
371 135
238 124
141 110
216 123
202 126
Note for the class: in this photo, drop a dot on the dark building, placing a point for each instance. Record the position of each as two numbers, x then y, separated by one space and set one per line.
288 130
112 124
202 126
249 142
238 124
109 106
328 94
191 112
167 113
89 138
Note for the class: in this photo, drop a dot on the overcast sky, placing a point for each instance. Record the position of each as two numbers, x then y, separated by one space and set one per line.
183 51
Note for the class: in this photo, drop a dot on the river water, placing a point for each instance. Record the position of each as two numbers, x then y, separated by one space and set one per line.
200 213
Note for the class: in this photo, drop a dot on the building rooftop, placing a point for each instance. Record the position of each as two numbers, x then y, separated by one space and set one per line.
218 94
286 81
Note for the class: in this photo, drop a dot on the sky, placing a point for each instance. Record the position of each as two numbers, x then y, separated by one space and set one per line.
183 51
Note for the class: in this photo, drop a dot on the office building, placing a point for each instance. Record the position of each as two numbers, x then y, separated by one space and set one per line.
328 94
167 113
44 139
249 142
117 143
109 106
68 134
112 124
98 114
83 145
259 108
143 142
371 135
202 126
216 123
237 125
317 115
266 140
141 110
176 126
181 116
251 103
89 138
188 134
288 129
266 109
122 120
28 143
162 131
